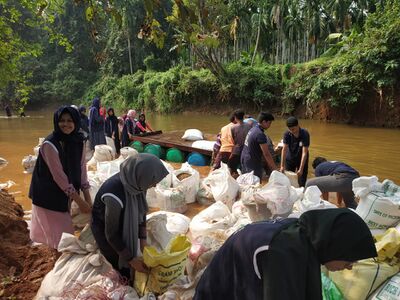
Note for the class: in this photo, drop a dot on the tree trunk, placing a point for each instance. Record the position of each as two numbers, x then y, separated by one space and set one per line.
258 38
129 53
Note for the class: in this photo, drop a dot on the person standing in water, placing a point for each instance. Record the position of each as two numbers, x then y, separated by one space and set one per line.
58 176
96 125
294 156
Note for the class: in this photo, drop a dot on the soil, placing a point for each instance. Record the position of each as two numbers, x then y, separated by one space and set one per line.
183 176
22 266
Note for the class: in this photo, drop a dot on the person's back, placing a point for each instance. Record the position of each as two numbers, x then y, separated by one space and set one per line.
239 133
226 138
334 167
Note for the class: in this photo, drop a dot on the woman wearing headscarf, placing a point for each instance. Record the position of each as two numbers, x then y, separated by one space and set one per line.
281 259
96 125
141 125
59 175
129 128
112 130
119 211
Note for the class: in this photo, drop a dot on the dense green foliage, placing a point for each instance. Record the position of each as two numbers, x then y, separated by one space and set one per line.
180 54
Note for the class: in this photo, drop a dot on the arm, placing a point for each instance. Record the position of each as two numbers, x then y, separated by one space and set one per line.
268 157
304 155
131 129
149 127
50 156
85 186
140 126
283 157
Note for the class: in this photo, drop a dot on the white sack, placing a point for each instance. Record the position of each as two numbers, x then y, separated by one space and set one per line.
28 162
216 217
379 204
293 178
390 290
278 194
171 199
157 234
78 263
204 195
176 223
103 153
192 135
110 142
3 163
128 151
189 185
312 200
204 145
248 179
223 186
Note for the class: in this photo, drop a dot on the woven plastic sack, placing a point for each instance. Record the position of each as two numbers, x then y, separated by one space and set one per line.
390 290
192 135
189 185
165 266
379 204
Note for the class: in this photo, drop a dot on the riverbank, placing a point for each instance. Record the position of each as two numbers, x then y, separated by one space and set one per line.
22 265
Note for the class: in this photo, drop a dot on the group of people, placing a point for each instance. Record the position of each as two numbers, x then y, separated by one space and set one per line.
98 124
265 260
244 144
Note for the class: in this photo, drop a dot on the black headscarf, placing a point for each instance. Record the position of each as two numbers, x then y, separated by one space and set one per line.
338 234
142 122
74 136
72 144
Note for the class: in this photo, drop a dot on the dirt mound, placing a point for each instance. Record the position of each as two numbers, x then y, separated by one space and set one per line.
22 266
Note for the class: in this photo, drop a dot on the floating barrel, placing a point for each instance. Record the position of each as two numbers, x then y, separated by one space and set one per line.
175 155
197 159
138 146
156 150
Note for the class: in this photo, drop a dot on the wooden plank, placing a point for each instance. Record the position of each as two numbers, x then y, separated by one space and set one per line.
173 140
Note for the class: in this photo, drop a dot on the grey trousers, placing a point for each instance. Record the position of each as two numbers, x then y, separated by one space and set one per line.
340 183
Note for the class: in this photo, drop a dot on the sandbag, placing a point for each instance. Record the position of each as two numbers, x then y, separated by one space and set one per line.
223 186
171 199
192 135
204 145
278 194
28 162
379 204
293 178
110 142
128 151
189 185
390 290
204 195
37 147
166 266
103 153
214 218
312 200
176 223
365 277
158 235
80 262
248 179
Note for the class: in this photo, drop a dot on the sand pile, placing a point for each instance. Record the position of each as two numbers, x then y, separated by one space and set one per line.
22 266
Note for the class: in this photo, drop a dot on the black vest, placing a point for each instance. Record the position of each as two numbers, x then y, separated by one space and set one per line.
111 187
44 191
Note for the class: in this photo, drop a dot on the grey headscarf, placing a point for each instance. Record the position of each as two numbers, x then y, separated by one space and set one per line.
137 174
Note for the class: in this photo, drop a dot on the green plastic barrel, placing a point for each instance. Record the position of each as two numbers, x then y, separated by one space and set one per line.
153 149
138 146
175 155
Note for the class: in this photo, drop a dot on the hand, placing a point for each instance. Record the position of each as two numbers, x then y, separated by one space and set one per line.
85 207
138 264
299 173
282 169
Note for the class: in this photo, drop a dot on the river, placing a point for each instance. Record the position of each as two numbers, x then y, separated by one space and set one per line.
372 151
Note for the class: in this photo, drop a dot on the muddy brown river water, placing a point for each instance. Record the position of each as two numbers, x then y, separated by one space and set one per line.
372 151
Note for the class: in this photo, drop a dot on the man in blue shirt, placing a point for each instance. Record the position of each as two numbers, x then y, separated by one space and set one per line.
294 155
334 176
256 146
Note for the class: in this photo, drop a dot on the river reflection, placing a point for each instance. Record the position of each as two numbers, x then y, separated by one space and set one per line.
372 151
